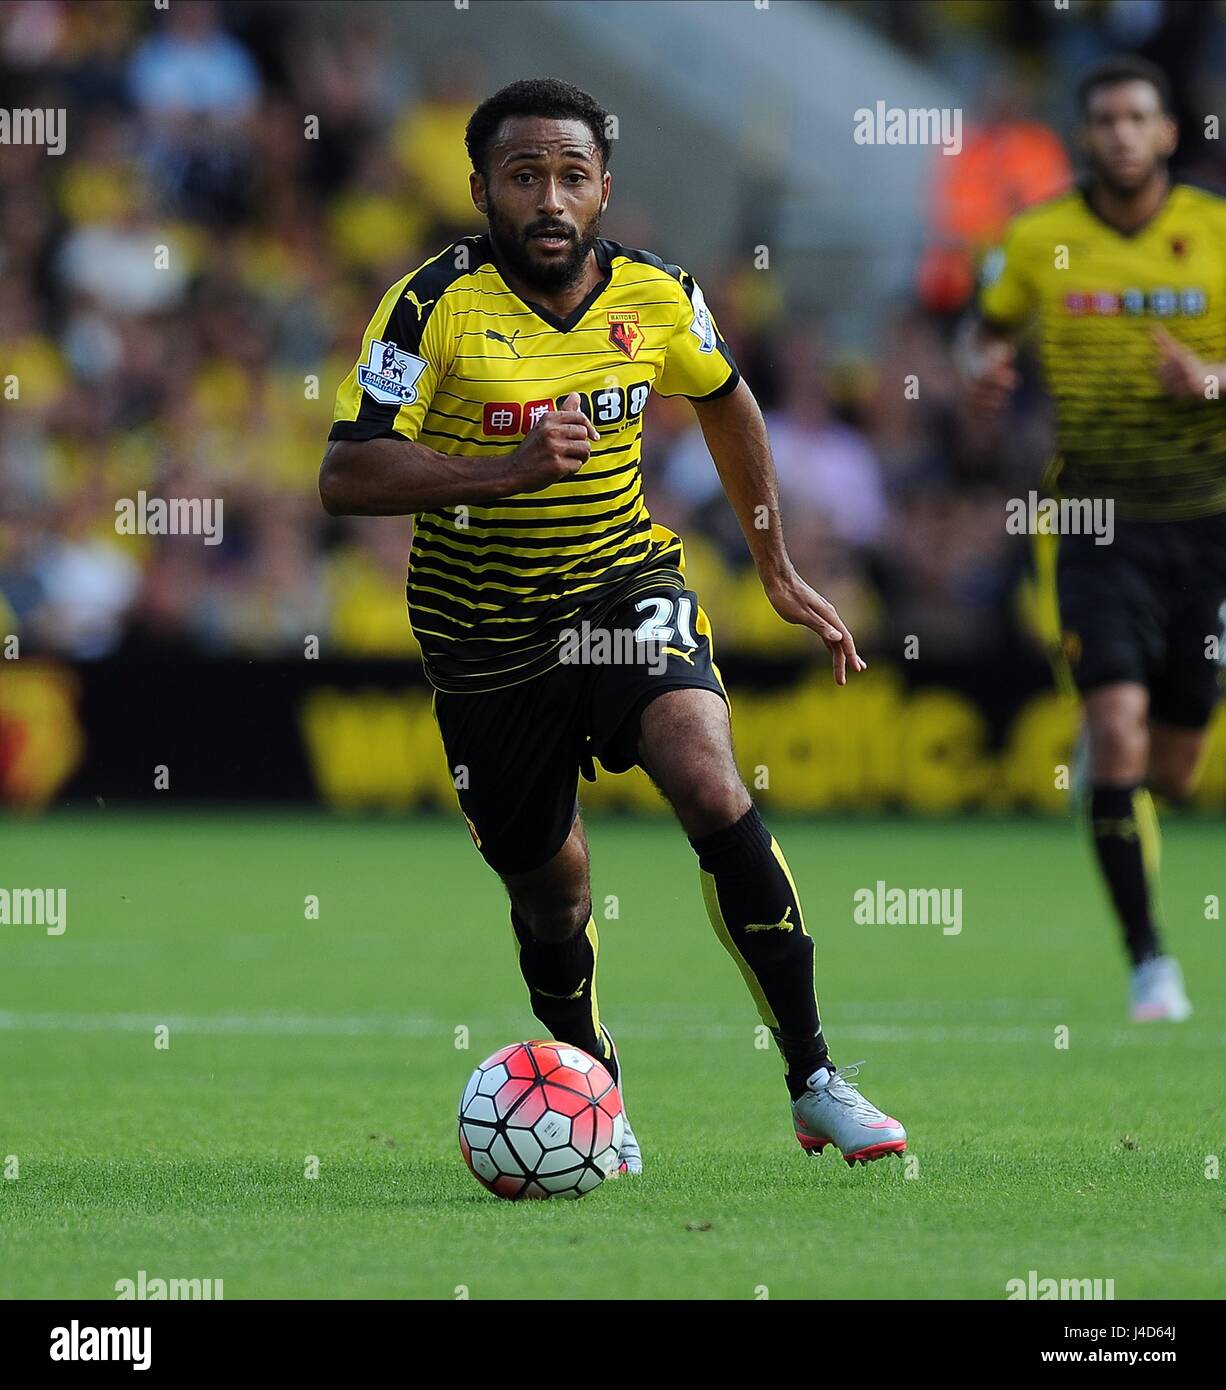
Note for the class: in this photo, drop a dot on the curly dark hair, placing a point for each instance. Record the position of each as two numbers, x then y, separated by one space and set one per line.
534 96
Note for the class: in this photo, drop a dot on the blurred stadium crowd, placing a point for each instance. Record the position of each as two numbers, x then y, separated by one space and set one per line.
214 376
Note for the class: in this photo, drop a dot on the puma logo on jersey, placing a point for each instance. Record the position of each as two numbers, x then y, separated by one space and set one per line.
677 651
417 304
500 338
578 994
783 925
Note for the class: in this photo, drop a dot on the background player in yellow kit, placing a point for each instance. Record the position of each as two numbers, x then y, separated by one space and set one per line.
1126 278
498 397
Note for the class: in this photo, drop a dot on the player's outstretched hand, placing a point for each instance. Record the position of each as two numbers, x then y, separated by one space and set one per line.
994 379
796 602
558 445
1180 371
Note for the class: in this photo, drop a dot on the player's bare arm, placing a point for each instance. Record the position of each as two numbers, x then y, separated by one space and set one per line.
396 477
736 437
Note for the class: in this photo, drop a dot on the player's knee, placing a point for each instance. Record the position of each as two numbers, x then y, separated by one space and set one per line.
1119 746
709 804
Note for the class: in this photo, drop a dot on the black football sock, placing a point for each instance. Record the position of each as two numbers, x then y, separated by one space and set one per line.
1124 829
561 980
752 903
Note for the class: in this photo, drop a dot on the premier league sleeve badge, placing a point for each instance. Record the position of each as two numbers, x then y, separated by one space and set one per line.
390 375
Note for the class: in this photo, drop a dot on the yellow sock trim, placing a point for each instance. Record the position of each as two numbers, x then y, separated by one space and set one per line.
594 937
783 864
1150 834
787 873
711 898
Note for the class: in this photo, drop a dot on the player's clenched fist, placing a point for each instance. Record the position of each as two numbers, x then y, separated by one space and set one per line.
993 379
558 445
1181 372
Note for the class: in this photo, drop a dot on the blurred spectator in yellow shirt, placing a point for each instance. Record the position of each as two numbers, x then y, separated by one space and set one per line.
429 143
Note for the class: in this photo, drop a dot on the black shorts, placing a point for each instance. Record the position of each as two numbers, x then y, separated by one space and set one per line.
516 753
1149 608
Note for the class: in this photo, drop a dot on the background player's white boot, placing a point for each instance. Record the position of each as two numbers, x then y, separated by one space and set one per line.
832 1111
1157 992
631 1155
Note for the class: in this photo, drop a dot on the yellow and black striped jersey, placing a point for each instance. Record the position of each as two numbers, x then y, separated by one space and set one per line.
1097 294
456 360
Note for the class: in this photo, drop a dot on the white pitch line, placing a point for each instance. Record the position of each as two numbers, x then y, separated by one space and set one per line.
296 1025
290 1024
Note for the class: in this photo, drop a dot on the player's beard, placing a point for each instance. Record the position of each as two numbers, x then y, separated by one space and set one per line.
1125 188
512 249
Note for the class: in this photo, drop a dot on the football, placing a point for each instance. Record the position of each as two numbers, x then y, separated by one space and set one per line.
540 1119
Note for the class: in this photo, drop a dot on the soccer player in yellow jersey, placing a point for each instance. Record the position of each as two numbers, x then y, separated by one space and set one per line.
498 398
1126 278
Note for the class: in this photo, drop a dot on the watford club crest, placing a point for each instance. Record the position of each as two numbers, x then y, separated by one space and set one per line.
624 332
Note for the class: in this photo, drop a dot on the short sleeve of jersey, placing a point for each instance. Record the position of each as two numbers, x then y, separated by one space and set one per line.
406 351
1007 294
697 361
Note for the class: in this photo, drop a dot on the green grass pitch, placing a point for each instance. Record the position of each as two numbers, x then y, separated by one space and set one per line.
336 1038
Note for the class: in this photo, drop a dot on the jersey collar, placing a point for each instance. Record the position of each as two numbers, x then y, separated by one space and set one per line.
563 325
1084 190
